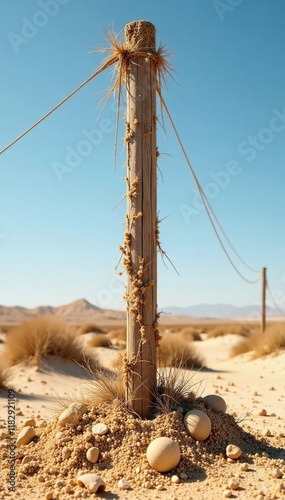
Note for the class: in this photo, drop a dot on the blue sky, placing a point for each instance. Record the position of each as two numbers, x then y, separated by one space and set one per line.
59 234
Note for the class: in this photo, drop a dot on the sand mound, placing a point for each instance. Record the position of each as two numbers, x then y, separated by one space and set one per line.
57 455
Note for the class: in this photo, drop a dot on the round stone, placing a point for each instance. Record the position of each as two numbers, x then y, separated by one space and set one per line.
198 424
215 402
163 454
92 454
233 451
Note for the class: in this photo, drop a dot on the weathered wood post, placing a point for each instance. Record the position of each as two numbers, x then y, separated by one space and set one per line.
263 299
141 218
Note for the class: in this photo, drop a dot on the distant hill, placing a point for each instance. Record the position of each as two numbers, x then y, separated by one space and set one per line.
82 311
79 311
221 311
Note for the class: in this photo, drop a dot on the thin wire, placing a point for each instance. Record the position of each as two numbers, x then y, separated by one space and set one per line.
273 300
203 196
99 70
206 203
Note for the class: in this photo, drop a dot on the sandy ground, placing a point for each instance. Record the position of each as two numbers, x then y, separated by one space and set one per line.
255 396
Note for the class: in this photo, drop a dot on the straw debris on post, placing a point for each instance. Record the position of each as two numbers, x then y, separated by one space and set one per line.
140 237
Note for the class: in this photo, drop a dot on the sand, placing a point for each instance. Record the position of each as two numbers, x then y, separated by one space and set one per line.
255 395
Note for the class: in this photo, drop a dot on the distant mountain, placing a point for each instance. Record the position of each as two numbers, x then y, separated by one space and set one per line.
82 311
79 311
221 311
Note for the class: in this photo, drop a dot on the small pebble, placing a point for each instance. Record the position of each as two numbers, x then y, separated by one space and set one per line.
262 413
30 423
244 467
100 429
227 493
233 484
148 485
92 454
233 451
25 436
92 482
123 484
49 495
72 413
60 484
27 458
175 479
277 473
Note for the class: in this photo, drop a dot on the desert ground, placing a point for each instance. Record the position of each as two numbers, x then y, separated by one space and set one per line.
45 381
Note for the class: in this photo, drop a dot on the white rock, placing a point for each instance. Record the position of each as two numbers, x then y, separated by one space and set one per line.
233 451
25 436
100 429
72 413
59 435
163 454
233 484
198 424
123 484
92 482
175 479
92 454
215 402
227 493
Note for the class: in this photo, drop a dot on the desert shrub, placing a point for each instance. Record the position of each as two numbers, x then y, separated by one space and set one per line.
39 337
173 350
118 336
89 328
4 328
190 333
4 371
229 329
99 340
269 342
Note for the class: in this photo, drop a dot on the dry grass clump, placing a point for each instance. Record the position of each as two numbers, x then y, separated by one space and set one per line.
5 327
37 338
174 389
105 387
190 333
99 340
173 350
261 344
89 328
4 372
229 329
118 336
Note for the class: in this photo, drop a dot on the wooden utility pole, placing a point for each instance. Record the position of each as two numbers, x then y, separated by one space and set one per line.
141 219
263 299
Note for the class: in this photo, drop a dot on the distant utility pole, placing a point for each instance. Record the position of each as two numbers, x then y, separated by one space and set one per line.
263 299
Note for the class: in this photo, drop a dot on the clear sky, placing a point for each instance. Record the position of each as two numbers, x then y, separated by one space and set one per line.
59 234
